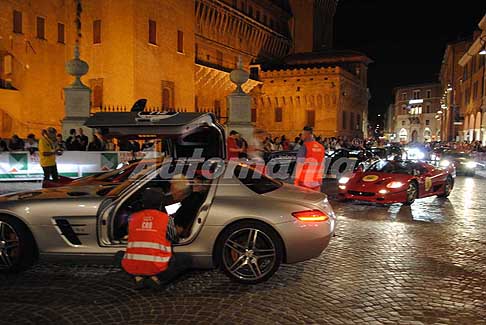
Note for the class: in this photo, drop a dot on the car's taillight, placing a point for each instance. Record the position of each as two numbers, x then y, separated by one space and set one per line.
311 215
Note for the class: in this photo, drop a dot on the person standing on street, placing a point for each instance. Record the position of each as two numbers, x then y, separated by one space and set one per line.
83 140
232 146
309 169
47 154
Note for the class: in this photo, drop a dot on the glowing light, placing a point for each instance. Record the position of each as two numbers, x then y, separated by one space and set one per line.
445 163
343 180
395 184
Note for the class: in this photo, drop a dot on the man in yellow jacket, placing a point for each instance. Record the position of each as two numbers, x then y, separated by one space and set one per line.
47 154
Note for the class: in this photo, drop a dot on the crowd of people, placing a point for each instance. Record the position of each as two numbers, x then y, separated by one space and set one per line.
76 141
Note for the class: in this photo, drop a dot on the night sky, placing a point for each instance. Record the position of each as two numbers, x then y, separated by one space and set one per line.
405 39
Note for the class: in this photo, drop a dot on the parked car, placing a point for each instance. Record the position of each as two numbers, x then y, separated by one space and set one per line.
462 161
397 182
111 177
343 160
247 226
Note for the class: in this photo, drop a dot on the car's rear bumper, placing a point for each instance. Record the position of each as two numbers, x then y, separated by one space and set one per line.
389 198
305 240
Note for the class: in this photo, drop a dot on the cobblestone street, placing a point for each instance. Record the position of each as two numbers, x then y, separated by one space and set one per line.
387 265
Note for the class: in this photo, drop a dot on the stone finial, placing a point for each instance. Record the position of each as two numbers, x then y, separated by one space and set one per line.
77 67
239 76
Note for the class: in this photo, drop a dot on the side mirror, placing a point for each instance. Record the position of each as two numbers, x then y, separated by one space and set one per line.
360 169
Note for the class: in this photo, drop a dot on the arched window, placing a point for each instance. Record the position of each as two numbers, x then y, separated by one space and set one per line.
403 135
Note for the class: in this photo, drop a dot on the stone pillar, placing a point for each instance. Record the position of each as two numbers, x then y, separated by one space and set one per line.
239 105
77 97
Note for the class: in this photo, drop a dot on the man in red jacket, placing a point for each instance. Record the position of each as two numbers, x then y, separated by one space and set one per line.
151 233
309 169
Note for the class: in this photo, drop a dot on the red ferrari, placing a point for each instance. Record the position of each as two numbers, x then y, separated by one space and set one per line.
389 182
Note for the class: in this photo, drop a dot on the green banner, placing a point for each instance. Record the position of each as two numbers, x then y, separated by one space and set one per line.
18 162
109 160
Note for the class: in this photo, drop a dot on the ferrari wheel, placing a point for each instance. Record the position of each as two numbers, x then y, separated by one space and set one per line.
449 184
249 252
17 247
412 193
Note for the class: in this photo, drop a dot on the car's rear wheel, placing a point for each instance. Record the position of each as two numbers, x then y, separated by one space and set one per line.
249 252
448 185
17 247
412 193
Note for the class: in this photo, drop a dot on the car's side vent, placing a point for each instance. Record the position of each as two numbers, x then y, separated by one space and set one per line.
68 232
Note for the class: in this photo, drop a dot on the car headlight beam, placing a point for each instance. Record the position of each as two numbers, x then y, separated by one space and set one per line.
343 180
395 184
445 163
471 164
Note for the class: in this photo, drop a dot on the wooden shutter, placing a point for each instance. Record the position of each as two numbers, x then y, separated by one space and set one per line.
41 27
60 33
17 22
97 32
152 32
180 41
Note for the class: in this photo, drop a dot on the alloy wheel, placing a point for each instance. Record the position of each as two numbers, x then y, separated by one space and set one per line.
9 246
411 193
249 254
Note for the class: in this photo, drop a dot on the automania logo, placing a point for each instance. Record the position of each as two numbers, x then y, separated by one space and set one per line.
282 167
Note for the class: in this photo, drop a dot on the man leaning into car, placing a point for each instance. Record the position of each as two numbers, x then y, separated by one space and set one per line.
151 233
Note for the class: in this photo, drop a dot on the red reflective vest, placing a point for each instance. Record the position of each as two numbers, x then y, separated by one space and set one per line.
148 249
310 172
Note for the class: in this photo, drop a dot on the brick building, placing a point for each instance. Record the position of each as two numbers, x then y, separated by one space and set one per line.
178 54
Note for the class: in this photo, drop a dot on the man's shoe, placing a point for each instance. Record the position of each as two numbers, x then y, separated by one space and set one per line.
139 283
153 282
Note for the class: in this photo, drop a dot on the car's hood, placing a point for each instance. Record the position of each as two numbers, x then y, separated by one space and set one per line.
289 192
375 178
55 193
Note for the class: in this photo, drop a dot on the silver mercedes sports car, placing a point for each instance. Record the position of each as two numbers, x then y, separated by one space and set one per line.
246 223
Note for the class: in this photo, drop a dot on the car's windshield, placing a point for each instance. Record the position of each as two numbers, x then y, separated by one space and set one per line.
135 176
455 154
392 167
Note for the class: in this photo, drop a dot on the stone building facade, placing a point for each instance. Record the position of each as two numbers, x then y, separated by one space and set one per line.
311 89
417 110
451 74
473 87
178 55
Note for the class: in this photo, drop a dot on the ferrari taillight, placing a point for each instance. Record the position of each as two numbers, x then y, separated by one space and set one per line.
311 215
